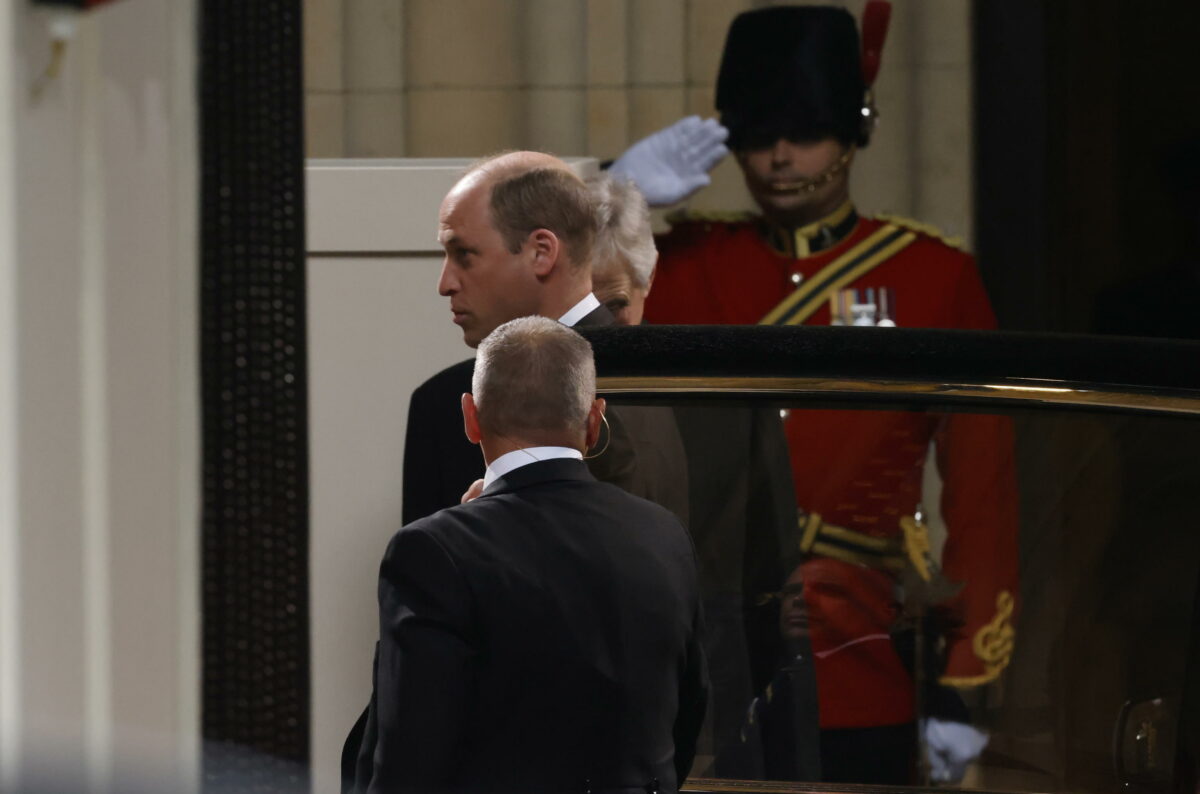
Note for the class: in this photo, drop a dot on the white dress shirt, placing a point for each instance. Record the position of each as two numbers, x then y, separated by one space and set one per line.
580 310
511 461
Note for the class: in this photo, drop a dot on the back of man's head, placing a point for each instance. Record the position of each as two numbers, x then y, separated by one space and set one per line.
535 380
544 198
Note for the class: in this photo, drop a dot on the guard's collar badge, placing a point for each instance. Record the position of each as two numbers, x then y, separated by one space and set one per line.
812 238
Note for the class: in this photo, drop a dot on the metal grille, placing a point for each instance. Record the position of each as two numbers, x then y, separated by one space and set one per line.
255 533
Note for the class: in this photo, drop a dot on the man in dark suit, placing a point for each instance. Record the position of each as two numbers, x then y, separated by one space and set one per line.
518 230
546 635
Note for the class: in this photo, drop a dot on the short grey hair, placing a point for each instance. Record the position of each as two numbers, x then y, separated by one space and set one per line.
623 232
533 376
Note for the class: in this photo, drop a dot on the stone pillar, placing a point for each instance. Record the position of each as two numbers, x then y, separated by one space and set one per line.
464 63
943 156
656 65
555 64
324 84
374 72
607 77
707 23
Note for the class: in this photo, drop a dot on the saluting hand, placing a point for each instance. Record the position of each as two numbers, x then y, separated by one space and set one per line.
673 163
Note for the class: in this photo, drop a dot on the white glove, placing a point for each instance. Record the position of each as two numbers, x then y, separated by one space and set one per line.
673 163
950 747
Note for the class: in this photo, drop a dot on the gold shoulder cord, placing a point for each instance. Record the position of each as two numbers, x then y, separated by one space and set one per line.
924 228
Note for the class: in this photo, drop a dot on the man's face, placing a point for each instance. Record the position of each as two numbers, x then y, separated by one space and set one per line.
773 174
793 612
487 284
616 289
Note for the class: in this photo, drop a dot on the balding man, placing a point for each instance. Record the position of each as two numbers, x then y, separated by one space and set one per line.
518 231
545 636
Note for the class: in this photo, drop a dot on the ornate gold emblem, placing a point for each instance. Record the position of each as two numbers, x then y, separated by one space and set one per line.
993 643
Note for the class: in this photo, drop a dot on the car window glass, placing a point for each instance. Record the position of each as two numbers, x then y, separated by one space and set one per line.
996 600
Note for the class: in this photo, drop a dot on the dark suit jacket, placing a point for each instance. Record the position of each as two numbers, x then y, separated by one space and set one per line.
645 455
544 635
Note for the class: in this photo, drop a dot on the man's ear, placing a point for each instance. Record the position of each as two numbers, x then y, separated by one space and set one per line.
470 419
547 249
594 420
650 280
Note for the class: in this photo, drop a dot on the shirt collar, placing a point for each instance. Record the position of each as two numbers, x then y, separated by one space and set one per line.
580 310
799 242
511 461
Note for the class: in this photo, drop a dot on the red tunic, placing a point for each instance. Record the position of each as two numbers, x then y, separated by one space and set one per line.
863 469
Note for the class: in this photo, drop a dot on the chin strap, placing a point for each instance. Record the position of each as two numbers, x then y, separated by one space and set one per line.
821 179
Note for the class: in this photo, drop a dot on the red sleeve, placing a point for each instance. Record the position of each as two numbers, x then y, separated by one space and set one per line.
973 310
979 504
678 281
975 455
718 273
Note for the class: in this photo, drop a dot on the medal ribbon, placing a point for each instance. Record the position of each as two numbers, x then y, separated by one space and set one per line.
876 249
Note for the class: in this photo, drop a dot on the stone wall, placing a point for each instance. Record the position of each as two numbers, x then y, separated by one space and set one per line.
453 78
461 78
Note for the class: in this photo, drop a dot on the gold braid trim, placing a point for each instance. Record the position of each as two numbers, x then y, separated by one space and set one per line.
993 644
923 228
810 524
964 681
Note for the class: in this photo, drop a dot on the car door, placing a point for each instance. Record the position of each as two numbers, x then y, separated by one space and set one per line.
966 559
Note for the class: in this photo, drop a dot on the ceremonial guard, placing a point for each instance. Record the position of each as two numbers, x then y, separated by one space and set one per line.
794 92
